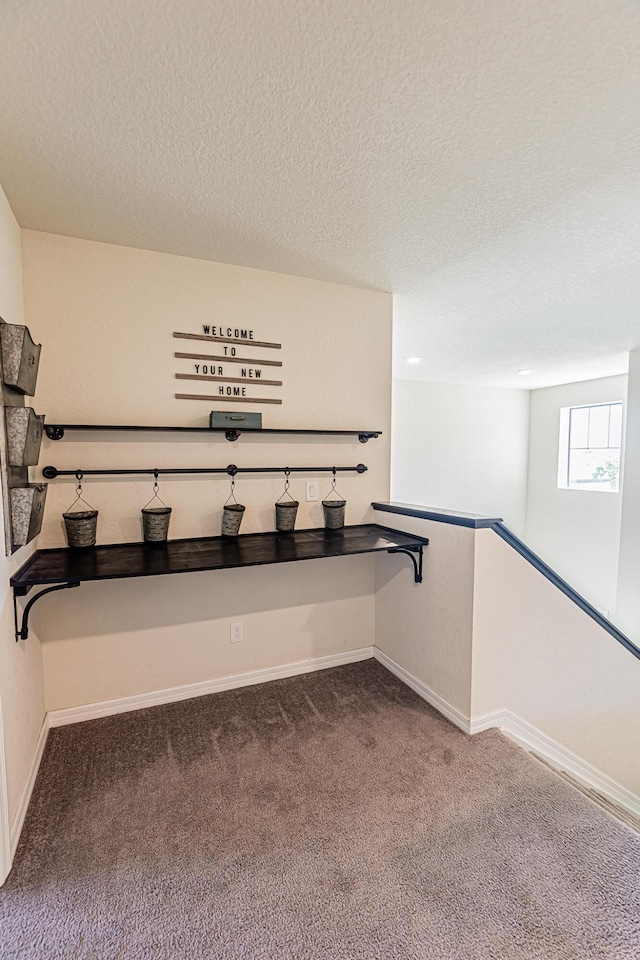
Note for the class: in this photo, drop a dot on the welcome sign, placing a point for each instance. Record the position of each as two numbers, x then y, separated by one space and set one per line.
233 383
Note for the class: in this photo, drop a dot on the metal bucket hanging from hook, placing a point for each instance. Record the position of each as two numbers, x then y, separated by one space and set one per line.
334 509
286 510
155 519
232 512
80 525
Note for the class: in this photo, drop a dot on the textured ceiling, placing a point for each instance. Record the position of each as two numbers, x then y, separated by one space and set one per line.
479 158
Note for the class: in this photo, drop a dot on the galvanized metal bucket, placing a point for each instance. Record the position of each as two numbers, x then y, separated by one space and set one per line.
155 523
334 511
81 527
232 514
286 515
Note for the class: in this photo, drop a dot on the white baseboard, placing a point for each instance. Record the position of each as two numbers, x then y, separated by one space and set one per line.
107 708
525 734
27 790
489 720
5 829
531 738
441 705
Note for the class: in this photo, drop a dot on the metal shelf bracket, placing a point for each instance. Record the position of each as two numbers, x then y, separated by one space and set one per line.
22 633
417 563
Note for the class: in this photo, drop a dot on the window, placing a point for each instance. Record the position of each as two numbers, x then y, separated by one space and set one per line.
590 444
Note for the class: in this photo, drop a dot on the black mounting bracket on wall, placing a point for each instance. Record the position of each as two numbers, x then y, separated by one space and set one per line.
22 633
417 564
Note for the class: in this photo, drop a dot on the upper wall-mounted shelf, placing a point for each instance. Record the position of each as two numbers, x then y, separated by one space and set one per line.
56 431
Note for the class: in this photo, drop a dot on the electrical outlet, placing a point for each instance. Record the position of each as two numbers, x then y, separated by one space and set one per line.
237 632
312 490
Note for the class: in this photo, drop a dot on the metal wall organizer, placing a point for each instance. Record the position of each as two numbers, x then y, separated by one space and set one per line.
27 510
20 358
24 436
21 432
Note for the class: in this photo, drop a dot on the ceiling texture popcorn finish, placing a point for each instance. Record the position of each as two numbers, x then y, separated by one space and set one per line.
479 160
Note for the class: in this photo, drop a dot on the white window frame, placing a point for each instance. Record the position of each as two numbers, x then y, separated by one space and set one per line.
564 452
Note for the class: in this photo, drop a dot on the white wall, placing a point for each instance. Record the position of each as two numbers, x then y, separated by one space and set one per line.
108 358
486 633
461 448
577 532
628 595
538 655
21 674
427 627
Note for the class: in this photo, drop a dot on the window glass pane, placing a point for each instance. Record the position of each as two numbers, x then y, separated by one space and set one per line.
615 425
599 426
594 469
579 427
591 451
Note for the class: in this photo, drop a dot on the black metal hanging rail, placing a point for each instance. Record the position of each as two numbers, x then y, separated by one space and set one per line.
56 431
50 473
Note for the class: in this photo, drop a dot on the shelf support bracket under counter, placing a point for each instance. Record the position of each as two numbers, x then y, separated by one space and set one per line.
411 553
22 632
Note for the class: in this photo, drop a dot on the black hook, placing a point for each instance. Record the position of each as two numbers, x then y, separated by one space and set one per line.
232 469
287 471
79 476
156 473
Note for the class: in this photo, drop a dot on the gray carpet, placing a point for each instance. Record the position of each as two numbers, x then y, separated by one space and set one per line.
331 816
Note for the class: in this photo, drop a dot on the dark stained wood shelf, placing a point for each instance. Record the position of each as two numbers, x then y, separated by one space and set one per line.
125 560
62 568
